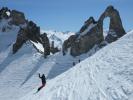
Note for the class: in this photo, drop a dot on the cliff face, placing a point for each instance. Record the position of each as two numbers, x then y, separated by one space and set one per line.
28 30
16 17
116 29
32 32
91 33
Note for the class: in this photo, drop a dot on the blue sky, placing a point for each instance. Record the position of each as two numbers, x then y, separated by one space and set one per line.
69 15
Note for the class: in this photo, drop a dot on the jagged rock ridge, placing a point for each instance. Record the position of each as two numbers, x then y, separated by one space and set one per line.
28 31
116 29
92 33
16 17
32 32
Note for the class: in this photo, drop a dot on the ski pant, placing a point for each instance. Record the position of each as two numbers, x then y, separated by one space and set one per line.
41 87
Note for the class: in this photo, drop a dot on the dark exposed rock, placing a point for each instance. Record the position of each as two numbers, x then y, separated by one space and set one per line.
92 33
31 32
88 36
28 30
3 13
53 49
46 44
87 23
116 29
68 43
21 39
17 17
85 42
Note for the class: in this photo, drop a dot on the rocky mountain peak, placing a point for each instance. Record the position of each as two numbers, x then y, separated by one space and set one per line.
91 33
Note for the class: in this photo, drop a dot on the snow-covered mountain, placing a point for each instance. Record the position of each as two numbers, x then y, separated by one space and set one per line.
17 69
107 75
58 37
103 77
102 74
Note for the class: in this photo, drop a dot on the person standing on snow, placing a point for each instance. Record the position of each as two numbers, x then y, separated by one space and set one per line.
43 79
79 60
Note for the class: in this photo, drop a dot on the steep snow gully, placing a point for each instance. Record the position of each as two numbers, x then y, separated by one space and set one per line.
107 75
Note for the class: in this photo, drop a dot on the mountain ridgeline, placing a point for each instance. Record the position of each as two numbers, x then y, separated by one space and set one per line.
90 34
28 31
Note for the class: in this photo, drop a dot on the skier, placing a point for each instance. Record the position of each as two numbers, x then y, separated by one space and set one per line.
73 63
79 60
43 82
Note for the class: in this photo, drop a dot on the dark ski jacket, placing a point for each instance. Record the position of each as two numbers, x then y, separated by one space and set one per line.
43 79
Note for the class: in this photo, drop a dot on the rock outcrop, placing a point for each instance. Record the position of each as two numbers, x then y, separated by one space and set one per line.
5 13
53 49
45 43
32 32
116 29
28 31
68 43
92 33
88 36
17 17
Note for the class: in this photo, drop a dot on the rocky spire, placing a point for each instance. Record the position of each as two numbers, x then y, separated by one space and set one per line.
91 33
116 29
31 32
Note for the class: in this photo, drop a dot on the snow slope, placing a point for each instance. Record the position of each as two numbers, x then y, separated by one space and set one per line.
19 75
104 77
107 75
6 38
19 72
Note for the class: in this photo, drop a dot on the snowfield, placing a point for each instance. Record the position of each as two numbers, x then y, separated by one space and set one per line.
107 75
19 72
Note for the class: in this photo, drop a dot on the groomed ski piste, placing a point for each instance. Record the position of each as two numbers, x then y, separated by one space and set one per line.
104 75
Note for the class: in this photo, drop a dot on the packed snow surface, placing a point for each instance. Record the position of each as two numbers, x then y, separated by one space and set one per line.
107 75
